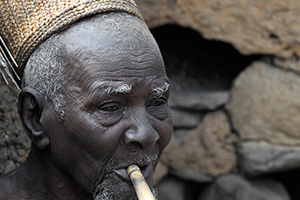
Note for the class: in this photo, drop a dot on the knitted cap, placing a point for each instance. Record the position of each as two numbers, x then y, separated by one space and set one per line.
24 24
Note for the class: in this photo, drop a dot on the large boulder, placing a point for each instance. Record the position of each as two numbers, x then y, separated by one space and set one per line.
265 112
258 158
264 105
252 26
234 187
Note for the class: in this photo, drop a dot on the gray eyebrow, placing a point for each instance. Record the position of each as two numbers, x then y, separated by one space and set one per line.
111 87
123 89
159 91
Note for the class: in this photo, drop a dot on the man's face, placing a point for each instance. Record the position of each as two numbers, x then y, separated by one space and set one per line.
116 112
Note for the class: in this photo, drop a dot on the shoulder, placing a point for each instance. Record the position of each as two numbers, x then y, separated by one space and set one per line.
7 188
9 184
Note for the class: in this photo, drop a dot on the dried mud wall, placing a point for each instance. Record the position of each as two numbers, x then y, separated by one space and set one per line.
234 69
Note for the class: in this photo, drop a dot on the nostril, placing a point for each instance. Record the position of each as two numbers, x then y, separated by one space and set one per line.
141 136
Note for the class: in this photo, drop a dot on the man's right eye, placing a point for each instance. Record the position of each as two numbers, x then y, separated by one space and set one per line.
109 112
109 107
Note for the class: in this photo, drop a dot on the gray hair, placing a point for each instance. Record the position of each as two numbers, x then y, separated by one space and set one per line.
44 72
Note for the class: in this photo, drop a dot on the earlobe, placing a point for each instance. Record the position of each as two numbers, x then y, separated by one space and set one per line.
30 108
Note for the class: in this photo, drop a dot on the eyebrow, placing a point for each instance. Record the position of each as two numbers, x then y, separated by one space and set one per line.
110 88
159 91
124 88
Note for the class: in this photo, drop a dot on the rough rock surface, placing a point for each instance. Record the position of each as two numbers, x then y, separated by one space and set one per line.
190 95
203 152
171 189
252 26
14 143
258 158
200 100
289 64
265 105
233 187
160 172
185 119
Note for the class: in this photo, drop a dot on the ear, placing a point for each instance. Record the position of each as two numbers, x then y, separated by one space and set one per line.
30 108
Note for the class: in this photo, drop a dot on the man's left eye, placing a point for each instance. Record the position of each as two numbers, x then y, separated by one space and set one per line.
157 102
158 108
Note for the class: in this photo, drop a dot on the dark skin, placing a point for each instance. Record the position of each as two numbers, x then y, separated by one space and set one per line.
102 132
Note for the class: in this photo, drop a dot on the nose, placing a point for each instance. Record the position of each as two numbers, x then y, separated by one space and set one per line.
141 132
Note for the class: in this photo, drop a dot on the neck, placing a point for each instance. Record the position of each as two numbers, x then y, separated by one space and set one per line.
39 177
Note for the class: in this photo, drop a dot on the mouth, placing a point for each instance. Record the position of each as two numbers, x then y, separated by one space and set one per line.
145 169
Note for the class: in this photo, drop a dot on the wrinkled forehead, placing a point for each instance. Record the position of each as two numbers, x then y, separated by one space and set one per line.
111 46
105 31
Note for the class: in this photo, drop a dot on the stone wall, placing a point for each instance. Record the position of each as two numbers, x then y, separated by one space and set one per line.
240 141
14 143
235 74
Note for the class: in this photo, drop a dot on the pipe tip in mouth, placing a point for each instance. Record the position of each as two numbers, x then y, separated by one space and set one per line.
132 168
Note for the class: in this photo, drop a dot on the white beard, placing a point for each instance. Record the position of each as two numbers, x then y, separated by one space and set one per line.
103 192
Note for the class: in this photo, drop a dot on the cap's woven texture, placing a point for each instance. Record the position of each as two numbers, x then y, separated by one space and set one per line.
24 24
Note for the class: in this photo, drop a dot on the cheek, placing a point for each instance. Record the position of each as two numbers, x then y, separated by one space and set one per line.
97 141
165 130
86 153
87 139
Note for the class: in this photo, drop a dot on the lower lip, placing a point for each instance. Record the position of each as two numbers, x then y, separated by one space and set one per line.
123 172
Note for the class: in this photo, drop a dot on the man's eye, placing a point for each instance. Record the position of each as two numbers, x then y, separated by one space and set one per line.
158 108
157 102
109 107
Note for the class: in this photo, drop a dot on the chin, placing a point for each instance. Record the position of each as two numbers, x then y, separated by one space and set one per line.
112 188
109 195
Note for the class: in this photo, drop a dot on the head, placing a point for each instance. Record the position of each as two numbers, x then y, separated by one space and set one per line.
94 99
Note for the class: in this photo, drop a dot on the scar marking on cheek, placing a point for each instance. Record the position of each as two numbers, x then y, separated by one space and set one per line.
159 91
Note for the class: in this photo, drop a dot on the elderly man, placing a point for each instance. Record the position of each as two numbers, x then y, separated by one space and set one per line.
93 101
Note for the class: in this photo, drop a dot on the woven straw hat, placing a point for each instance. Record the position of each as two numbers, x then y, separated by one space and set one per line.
24 24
